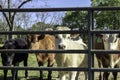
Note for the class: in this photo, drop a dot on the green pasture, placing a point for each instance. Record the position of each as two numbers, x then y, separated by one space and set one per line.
33 75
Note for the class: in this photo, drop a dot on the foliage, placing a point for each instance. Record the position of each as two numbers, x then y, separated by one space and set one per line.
18 28
4 27
105 3
108 19
39 26
76 19
102 19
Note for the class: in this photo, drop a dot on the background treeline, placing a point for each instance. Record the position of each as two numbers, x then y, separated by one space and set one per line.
39 21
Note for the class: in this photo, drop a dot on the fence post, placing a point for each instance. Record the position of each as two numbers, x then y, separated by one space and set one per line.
90 55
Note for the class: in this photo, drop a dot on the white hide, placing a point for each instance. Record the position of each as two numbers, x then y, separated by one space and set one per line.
72 59
80 41
114 45
110 41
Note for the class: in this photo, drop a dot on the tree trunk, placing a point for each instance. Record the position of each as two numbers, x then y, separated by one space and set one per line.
10 36
10 17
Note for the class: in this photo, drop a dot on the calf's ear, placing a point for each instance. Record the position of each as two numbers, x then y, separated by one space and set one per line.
74 35
56 36
28 37
99 35
119 35
41 36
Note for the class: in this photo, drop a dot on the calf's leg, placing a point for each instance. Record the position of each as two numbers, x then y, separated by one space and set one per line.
100 64
15 72
86 75
115 73
50 64
26 64
4 64
106 75
41 73
77 75
62 76
50 72
5 74
72 75
101 76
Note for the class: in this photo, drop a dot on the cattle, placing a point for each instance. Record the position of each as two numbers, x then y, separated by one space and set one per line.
14 59
107 42
66 42
43 42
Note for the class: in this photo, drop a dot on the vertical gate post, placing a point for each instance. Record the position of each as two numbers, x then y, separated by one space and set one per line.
90 55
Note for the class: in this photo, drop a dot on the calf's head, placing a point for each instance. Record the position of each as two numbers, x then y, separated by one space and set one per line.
111 41
63 40
33 40
8 57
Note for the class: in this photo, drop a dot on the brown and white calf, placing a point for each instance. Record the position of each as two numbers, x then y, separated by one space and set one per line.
107 42
43 42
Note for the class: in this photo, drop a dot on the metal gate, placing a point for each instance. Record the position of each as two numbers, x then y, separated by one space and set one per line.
90 32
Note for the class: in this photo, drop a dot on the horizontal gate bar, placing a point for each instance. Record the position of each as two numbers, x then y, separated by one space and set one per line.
105 31
105 69
41 51
43 32
45 68
58 51
59 32
106 51
61 69
58 9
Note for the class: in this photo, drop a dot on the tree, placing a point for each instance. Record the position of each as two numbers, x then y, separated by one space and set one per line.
49 18
10 16
24 19
3 27
109 19
37 26
76 19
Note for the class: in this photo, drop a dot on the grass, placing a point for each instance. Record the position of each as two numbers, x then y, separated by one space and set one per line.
33 75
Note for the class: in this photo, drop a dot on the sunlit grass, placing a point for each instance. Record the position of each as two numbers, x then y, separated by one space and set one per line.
32 62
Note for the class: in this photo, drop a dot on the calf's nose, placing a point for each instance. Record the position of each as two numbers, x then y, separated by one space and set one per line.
61 46
8 63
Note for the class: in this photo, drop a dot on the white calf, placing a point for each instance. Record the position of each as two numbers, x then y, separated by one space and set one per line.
73 59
